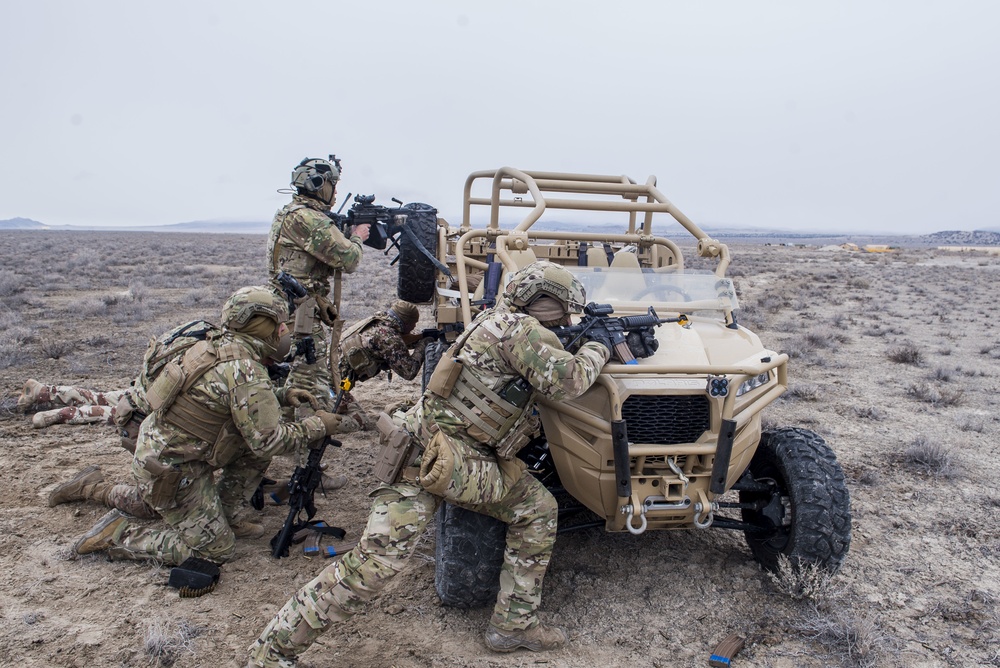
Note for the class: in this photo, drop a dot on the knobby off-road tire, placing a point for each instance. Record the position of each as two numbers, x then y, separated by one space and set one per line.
416 271
816 528
432 355
468 557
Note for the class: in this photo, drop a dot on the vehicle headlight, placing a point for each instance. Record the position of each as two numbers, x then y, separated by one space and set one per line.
753 383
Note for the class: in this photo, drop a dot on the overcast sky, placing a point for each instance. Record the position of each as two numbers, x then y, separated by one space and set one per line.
847 116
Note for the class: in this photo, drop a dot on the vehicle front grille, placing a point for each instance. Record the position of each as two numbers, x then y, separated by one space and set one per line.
666 419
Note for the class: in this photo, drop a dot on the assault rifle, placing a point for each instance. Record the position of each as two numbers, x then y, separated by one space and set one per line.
413 338
628 337
301 493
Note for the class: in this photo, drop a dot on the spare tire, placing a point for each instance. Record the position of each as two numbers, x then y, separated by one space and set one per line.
416 271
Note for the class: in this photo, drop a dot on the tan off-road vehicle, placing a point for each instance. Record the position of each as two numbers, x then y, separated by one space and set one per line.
655 445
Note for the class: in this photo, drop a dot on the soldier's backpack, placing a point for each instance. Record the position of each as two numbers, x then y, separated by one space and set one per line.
133 407
355 355
171 346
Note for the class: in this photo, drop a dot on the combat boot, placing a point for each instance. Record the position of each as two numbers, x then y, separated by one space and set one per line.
87 484
244 528
265 655
43 419
102 535
33 393
538 638
332 482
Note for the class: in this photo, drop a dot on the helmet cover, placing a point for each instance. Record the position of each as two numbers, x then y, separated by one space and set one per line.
546 278
253 301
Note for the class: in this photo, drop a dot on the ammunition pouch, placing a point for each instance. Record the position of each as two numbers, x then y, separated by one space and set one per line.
445 375
305 317
397 454
123 410
167 386
130 431
166 480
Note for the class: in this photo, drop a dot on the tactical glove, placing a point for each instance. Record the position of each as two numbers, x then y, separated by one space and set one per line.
331 421
295 397
420 347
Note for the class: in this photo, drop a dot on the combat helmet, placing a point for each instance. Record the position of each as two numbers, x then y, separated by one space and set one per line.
546 278
252 301
317 178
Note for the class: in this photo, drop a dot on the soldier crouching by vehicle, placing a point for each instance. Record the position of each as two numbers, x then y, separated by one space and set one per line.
374 345
214 409
477 412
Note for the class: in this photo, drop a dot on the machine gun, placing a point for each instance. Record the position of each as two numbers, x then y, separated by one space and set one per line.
628 337
384 226
301 493
387 225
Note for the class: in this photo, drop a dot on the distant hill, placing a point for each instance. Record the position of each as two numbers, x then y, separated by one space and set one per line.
21 224
965 238
206 226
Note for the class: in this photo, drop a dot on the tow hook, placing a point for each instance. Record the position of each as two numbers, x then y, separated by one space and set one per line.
704 511
630 514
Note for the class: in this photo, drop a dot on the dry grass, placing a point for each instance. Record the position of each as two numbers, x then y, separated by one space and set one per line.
930 458
165 642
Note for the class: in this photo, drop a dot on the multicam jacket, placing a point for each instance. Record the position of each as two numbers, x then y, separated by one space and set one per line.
240 389
503 345
305 243
376 344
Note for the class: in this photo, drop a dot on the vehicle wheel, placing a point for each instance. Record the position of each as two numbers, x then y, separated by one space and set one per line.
805 512
468 557
432 355
416 271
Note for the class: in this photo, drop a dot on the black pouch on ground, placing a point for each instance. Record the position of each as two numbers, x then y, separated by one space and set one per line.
194 577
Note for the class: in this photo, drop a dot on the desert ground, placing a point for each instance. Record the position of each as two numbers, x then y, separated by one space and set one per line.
895 361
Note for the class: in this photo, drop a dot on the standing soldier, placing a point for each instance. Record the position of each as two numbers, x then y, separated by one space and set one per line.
306 244
374 345
476 414
214 409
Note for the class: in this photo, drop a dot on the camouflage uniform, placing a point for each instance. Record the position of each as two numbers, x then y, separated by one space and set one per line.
78 405
306 244
501 346
200 510
378 340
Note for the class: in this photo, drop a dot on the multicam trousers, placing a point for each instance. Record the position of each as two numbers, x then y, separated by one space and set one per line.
80 405
198 516
398 519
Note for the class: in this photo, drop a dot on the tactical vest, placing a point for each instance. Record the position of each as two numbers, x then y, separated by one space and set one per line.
168 347
295 261
168 396
355 354
491 415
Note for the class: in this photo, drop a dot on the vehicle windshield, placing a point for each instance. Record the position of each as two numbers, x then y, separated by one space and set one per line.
700 290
